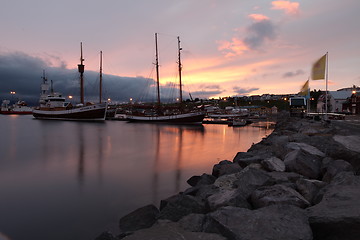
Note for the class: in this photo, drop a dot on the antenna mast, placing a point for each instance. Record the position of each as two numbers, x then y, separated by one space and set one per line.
180 68
157 70
100 94
81 68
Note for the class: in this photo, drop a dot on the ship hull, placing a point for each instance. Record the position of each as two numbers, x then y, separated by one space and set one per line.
16 112
178 118
95 112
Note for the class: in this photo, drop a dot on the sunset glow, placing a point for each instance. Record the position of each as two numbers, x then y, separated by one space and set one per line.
228 49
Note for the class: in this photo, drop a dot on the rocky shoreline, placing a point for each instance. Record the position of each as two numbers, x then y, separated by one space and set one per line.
301 182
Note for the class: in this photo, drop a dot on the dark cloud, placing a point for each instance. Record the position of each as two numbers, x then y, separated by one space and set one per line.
22 73
244 91
206 94
293 74
258 33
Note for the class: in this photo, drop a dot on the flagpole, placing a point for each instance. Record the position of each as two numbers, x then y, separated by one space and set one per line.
308 96
326 87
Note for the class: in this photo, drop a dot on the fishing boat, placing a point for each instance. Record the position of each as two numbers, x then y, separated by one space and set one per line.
159 113
54 106
19 108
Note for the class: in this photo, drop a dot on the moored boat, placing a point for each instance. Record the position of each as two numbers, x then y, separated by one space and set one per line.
159 113
19 108
54 106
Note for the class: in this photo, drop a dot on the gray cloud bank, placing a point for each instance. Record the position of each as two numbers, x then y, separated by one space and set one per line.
22 73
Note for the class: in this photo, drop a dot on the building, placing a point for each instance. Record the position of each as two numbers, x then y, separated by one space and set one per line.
354 106
336 100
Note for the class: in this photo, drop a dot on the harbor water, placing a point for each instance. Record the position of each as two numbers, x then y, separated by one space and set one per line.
73 180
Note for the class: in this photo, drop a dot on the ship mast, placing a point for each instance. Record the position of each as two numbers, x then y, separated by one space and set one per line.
100 94
157 70
180 68
81 68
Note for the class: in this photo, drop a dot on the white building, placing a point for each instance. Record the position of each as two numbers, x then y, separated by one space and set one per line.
335 100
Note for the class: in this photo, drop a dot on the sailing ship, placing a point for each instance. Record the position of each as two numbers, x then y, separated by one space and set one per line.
54 106
161 114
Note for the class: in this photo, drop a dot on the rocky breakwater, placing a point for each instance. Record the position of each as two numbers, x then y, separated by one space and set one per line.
301 182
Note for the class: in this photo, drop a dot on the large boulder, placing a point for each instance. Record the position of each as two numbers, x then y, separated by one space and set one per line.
249 180
226 197
225 167
306 148
173 232
245 159
272 223
273 164
304 163
143 217
178 206
351 143
277 195
335 167
337 216
309 188
204 179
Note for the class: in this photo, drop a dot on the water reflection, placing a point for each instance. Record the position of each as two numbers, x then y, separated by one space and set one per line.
84 176
172 134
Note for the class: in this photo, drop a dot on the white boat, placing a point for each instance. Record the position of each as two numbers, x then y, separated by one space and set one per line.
19 108
160 113
54 106
238 122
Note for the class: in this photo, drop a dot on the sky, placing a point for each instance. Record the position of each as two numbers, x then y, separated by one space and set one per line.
229 47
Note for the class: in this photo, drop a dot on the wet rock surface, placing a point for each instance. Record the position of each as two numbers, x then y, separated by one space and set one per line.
301 182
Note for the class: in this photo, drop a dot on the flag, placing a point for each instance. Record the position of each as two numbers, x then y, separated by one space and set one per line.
318 69
305 90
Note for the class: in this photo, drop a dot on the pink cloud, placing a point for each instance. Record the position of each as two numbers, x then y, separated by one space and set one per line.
258 17
291 8
232 48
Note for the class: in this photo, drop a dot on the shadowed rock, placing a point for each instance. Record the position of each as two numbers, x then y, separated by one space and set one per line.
178 206
140 218
283 222
273 164
303 163
204 179
337 216
277 195
225 167
336 167
227 197
309 188
173 232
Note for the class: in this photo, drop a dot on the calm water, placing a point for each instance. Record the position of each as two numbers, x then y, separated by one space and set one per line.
70 180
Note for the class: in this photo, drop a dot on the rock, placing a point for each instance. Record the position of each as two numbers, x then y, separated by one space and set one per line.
192 222
173 232
106 236
337 216
336 167
272 223
277 195
306 148
244 159
351 143
273 164
226 181
309 188
303 163
204 179
227 197
178 206
225 167
284 177
249 180
143 217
